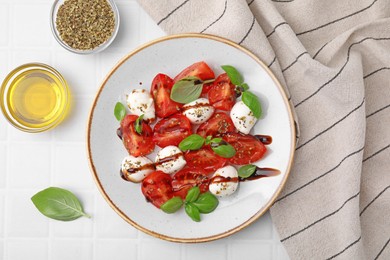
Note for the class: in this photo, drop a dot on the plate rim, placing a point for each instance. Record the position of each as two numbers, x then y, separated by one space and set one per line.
229 232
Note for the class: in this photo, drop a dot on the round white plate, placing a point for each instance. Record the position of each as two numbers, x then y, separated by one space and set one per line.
170 55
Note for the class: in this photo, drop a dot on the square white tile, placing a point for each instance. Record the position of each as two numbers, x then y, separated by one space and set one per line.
3 72
2 216
30 25
79 71
251 250
2 248
261 229
71 169
4 13
81 227
281 253
161 250
114 226
22 249
29 166
74 249
20 213
31 56
3 165
73 128
216 250
20 136
115 249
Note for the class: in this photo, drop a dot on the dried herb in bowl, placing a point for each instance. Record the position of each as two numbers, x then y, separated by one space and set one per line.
85 24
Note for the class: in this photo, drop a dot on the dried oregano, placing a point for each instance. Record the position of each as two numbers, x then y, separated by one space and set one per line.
85 24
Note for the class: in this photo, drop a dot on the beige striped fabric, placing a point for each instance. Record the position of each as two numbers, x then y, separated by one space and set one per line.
333 57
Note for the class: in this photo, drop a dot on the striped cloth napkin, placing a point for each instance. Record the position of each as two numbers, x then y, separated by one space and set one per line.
333 57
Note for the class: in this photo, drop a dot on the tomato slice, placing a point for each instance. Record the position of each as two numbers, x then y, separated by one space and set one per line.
136 144
157 188
219 123
222 95
198 69
187 178
161 92
171 130
205 159
248 148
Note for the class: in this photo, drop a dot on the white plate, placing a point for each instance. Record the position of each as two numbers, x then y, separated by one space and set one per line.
170 55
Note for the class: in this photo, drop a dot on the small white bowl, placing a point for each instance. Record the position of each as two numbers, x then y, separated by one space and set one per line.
53 17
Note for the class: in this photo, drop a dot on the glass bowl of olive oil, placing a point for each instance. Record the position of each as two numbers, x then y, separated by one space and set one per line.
34 97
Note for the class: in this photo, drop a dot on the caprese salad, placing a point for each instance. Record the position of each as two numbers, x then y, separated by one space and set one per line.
202 124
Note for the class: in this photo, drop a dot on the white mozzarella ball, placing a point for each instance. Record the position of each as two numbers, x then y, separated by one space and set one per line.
242 117
135 169
198 111
140 102
224 181
170 160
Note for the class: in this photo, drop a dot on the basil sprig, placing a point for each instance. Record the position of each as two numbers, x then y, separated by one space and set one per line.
194 204
246 171
188 89
224 149
59 204
138 124
119 111
249 99
218 145
192 142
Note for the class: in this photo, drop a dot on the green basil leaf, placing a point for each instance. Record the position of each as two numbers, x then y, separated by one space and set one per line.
193 194
59 204
251 101
234 76
216 140
138 124
225 150
245 87
186 90
192 211
246 171
206 203
172 205
119 111
208 140
192 142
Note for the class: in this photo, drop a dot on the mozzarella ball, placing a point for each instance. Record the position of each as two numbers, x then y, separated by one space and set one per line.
224 181
140 102
198 111
242 117
135 169
170 160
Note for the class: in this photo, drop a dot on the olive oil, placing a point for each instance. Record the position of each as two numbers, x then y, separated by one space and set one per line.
36 98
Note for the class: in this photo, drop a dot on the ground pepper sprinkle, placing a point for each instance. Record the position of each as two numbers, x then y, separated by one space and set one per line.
85 24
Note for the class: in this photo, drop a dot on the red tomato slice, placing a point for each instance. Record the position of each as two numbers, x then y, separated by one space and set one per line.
187 178
248 148
157 188
199 69
161 92
205 159
171 130
219 123
222 95
136 144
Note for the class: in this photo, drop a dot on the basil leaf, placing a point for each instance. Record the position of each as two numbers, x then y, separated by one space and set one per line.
138 124
208 140
234 76
245 87
59 204
251 101
192 211
216 140
193 194
192 142
119 111
225 150
172 205
246 171
206 202
186 90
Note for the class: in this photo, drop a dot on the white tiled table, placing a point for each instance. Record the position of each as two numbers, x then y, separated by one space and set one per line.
32 162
